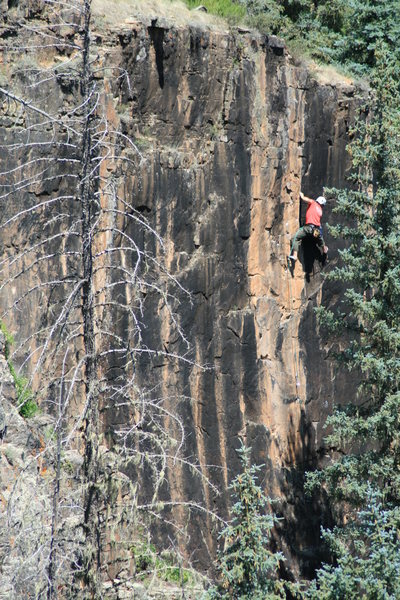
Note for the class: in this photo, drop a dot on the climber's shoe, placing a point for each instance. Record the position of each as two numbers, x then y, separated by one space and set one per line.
290 265
293 257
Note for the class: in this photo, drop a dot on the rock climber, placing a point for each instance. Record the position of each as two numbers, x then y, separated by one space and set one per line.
312 228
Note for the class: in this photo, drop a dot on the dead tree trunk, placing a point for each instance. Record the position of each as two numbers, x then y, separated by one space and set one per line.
89 210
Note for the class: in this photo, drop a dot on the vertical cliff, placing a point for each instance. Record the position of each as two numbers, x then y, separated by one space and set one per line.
230 128
227 129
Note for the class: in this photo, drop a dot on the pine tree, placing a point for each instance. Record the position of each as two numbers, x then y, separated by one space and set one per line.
247 568
366 428
346 32
368 557
369 25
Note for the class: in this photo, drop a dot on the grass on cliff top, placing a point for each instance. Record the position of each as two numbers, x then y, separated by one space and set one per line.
234 13
179 12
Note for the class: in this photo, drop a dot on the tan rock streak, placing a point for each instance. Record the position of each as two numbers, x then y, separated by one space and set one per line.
274 216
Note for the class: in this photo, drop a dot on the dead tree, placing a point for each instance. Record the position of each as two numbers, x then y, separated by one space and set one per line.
72 248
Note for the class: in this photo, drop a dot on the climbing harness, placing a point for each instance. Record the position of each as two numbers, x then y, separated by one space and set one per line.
316 232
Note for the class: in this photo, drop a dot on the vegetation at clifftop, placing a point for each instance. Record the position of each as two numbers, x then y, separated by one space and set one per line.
231 11
341 32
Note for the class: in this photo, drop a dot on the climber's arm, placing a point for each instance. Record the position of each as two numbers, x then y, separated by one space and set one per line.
305 199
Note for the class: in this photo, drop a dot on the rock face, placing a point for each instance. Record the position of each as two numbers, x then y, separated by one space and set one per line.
231 129
228 128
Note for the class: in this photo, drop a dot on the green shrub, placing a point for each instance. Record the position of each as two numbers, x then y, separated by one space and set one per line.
25 398
367 556
9 339
148 561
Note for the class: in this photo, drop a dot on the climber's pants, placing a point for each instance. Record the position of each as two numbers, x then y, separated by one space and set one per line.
307 231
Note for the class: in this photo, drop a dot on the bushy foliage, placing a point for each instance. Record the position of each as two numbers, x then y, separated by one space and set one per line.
368 557
247 568
367 26
27 406
345 32
150 563
266 15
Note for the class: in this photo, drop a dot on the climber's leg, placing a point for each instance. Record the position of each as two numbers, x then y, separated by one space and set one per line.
299 236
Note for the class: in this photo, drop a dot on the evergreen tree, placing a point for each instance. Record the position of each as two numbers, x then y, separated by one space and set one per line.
366 428
342 31
247 568
368 557
369 25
